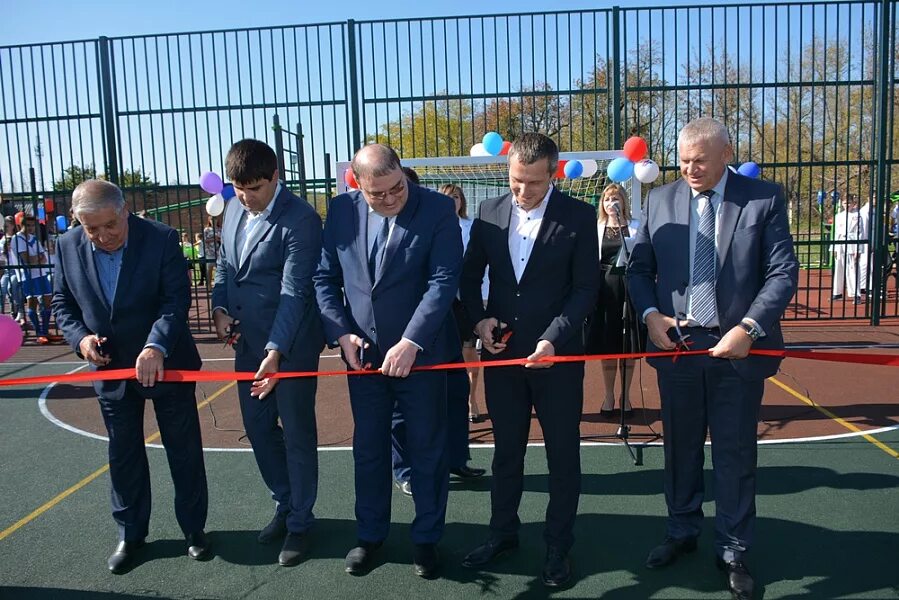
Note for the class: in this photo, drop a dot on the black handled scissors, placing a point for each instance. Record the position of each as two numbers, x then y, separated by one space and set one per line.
231 333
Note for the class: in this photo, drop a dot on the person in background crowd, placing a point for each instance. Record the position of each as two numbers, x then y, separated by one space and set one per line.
35 283
848 227
10 279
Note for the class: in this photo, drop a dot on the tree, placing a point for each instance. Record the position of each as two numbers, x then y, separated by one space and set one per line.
72 176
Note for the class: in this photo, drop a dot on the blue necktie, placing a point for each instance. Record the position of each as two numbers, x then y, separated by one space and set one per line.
703 306
377 250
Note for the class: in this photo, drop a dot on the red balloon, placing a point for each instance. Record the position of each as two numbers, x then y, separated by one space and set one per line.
635 149
350 179
560 170
49 205
506 146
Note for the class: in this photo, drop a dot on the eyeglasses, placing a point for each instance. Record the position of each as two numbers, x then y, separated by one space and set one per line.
394 191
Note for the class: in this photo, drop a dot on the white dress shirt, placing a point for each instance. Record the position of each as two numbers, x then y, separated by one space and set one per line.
524 226
250 221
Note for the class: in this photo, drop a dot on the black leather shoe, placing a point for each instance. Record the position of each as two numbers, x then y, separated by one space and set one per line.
668 551
466 472
294 549
556 567
403 486
489 552
738 578
425 561
119 561
359 559
275 530
198 546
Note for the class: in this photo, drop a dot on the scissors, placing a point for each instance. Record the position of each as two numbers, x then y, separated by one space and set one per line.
231 333
681 341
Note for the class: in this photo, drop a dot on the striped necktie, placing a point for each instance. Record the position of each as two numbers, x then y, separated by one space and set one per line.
703 306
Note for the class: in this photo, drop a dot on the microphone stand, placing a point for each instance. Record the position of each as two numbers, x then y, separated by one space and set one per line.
624 430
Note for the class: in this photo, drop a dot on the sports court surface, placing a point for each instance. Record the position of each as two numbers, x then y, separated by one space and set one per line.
828 496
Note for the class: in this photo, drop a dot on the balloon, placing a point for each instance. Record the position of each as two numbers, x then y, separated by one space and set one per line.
506 147
211 182
228 192
590 168
635 148
493 143
646 171
215 205
620 169
61 224
41 213
19 216
478 150
573 169
750 169
349 178
51 206
560 169
10 337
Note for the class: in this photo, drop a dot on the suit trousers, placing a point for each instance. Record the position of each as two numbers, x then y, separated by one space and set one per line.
286 452
703 394
557 396
457 389
129 471
421 398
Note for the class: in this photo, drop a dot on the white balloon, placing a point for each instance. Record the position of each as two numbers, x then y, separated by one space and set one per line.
646 171
215 205
590 168
478 150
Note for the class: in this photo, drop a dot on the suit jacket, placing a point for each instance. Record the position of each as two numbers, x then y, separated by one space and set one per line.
150 305
271 292
560 283
757 268
414 287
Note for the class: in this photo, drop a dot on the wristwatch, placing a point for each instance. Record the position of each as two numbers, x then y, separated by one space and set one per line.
751 330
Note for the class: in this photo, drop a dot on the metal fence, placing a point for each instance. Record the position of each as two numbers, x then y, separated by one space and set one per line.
807 89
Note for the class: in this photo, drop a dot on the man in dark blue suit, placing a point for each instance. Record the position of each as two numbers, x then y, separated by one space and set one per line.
264 303
542 251
713 261
388 273
121 296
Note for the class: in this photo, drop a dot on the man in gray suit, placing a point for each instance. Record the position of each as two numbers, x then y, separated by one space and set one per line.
264 304
713 268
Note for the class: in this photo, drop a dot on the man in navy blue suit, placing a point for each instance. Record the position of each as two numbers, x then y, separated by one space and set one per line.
713 261
264 303
388 274
121 296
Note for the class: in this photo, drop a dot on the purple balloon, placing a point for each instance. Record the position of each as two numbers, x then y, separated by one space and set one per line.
211 182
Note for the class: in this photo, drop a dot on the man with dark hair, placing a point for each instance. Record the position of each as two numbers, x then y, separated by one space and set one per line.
388 274
264 304
713 261
121 298
542 250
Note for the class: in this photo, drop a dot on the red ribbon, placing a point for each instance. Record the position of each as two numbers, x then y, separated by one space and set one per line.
179 376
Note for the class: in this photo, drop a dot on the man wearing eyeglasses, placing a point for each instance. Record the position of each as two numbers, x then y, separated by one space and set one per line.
388 274
264 307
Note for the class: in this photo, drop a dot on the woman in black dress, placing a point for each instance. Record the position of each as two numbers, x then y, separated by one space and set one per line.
605 331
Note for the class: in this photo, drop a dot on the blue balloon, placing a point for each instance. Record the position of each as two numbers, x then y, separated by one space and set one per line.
750 169
41 213
620 169
228 192
493 143
61 224
574 169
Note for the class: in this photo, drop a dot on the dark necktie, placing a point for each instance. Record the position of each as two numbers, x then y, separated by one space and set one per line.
377 250
703 305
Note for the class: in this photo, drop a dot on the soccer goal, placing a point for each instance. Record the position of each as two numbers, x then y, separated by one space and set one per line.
482 177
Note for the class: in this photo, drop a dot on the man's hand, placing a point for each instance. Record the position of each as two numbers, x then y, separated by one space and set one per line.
657 325
544 348
223 322
148 368
353 346
484 329
263 385
89 348
734 344
399 360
